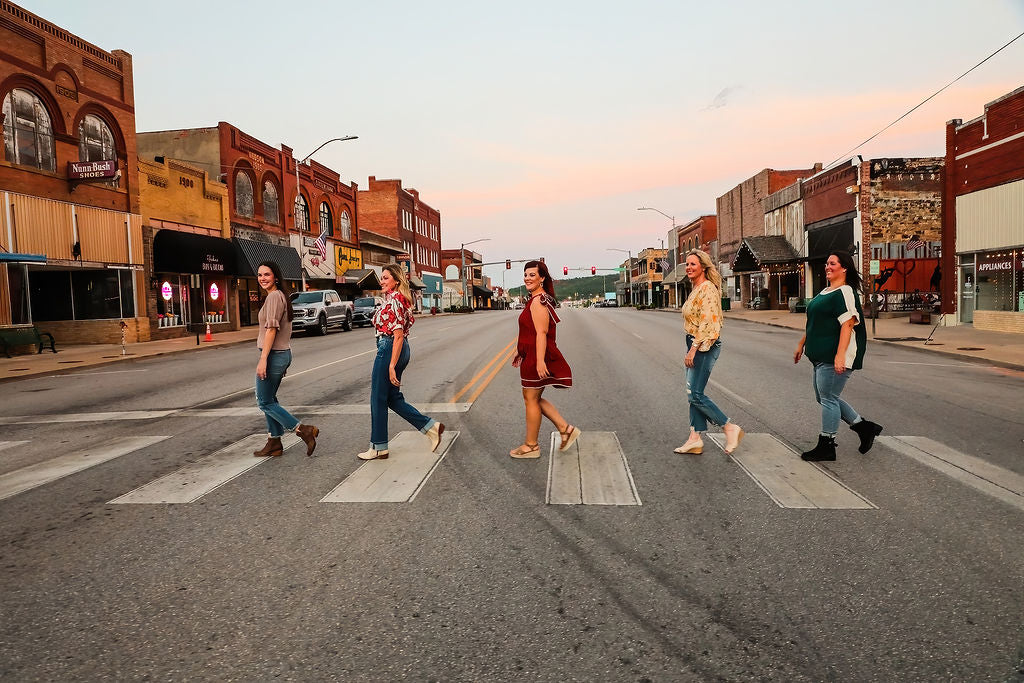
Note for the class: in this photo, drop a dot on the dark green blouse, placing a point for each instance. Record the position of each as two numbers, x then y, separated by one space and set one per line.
826 314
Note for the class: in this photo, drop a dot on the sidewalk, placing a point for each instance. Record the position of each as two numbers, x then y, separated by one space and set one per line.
1003 349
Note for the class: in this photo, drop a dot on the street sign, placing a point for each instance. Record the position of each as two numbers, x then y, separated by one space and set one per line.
875 267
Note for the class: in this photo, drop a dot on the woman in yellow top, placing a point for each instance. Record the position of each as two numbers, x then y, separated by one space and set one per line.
702 319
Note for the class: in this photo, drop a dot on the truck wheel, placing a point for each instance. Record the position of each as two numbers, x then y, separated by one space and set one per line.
321 325
347 325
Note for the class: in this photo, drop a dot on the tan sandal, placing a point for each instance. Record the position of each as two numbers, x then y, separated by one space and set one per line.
527 450
695 447
569 436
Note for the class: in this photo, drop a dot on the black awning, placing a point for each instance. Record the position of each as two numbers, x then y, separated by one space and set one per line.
251 254
185 252
824 240
481 291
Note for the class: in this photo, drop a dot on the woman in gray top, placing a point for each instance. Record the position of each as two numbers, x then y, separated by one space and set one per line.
274 343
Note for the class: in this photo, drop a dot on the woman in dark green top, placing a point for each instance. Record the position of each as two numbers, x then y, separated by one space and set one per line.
834 341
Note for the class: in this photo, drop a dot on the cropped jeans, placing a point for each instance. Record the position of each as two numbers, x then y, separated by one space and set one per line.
827 387
384 394
279 420
702 408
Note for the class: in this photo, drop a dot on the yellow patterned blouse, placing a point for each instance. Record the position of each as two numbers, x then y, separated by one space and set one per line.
702 315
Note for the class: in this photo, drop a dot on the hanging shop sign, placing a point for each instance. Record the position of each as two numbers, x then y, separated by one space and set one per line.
92 170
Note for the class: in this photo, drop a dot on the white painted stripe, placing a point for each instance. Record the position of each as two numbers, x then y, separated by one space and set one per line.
10 444
734 396
51 470
399 478
789 481
195 480
238 411
989 146
979 474
941 365
593 471
636 335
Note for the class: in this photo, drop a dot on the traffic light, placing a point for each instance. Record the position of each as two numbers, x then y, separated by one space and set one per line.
593 270
508 264
565 270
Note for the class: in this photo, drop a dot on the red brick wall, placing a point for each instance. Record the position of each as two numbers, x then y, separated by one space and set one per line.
1001 163
73 78
825 195
378 207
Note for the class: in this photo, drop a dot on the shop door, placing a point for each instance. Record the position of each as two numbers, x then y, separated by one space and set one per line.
968 289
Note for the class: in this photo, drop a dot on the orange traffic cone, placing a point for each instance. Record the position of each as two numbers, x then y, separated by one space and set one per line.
209 335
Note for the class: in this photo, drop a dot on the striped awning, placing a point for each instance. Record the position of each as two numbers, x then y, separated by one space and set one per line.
251 254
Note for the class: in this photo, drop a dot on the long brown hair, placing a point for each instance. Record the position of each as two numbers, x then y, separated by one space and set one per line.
542 270
280 284
401 280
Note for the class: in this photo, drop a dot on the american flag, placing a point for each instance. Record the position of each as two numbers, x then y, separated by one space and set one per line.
914 242
665 265
321 244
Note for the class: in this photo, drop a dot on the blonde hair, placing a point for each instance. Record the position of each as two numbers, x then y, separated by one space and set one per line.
401 280
710 271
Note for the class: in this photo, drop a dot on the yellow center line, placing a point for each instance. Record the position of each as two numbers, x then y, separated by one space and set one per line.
455 399
483 385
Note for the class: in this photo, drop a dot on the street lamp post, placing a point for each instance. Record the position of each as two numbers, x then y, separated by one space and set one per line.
462 253
629 268
298 187
650 283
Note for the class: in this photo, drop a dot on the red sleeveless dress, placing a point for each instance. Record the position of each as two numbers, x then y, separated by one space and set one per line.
558 369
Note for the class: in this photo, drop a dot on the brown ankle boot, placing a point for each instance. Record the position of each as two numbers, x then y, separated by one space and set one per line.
308 433
272 449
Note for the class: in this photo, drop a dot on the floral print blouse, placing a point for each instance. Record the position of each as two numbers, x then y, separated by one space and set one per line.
702 315
395 313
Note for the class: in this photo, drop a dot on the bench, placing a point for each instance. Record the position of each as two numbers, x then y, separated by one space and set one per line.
24 336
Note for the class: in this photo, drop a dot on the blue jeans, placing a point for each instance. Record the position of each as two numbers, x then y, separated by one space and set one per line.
702 408
384 394
278 419
827 387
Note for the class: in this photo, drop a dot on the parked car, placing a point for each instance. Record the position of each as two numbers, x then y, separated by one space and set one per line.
363 308
320 309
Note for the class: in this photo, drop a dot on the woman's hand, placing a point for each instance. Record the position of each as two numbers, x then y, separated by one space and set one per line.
798 353
542 369
394 376
840 365
261 368
517 361
690 355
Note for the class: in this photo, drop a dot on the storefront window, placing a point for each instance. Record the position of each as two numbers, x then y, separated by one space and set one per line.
215 291
995 282
18 293
171 300
82 294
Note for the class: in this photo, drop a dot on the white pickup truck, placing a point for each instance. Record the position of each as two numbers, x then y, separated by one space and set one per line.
320 309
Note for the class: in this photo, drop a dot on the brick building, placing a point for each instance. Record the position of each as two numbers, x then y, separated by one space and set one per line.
646 278
387 211
700 233
70 233
269 218
740 214
478 293
186 234
983 217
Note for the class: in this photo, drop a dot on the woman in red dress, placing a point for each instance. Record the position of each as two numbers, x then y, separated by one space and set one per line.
540 362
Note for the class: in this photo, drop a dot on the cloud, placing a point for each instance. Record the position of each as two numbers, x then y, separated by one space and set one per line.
721 99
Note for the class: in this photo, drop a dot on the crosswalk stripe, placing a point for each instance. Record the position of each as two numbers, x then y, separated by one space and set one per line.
193 481
979 474
238 411
790 481
593 471
10 444
26 478
399 478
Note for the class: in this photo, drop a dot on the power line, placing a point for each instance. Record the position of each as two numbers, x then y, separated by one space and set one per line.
922 102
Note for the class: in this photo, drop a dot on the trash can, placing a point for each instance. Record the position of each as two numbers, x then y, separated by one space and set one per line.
793 301
726 303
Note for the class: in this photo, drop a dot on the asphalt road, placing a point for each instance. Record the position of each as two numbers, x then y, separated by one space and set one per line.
477 578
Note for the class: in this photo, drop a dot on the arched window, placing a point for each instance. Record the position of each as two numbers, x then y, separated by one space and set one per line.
28 135
325 219
243 195
95 139
301 214
271 212
346 226
451 272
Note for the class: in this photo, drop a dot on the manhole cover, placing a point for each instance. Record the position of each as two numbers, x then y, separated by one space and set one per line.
970 348
900 338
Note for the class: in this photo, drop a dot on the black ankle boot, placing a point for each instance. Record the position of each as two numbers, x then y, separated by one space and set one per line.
867 431
825 450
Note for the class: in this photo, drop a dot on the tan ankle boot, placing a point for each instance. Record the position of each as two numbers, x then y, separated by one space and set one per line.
308 433
273 448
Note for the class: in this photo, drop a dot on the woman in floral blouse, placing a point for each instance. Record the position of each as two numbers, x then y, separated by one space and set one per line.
392 322
702 319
